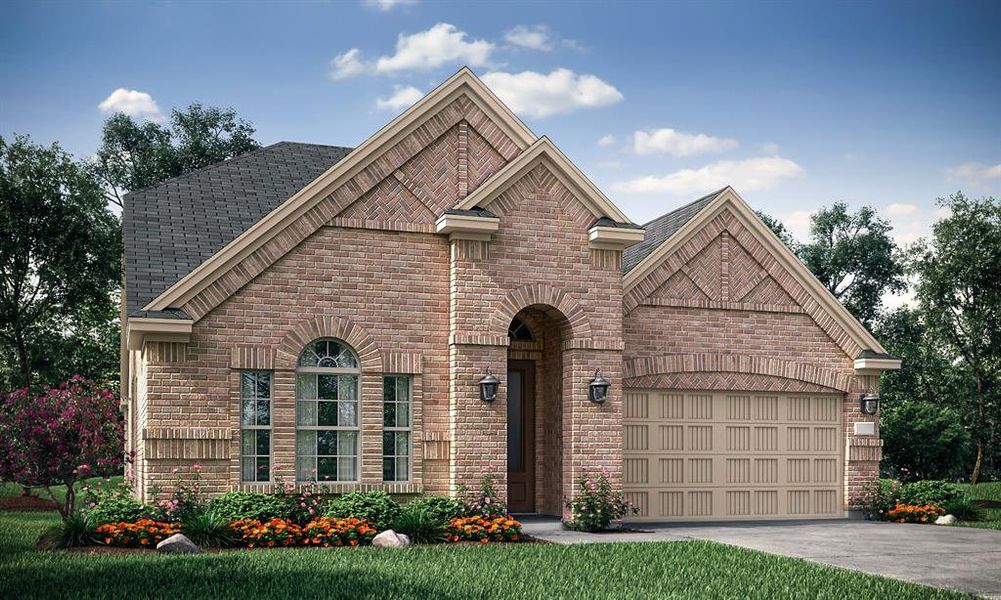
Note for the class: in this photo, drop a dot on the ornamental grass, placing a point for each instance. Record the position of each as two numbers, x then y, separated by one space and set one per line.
483 529
144 533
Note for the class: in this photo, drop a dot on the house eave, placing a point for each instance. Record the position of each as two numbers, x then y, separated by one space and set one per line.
613 238
140 331
876 365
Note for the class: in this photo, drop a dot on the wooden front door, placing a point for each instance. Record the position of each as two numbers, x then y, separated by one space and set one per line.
521 436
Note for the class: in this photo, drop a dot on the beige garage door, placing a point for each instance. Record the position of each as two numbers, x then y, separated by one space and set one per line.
693 455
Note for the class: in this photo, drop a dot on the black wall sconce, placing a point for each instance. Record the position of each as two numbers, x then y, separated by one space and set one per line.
488 387
869 403
598 390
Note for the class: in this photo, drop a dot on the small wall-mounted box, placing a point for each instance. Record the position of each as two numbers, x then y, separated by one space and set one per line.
865 428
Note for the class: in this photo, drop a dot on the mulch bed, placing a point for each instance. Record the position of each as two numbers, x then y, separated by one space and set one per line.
987 503
26 503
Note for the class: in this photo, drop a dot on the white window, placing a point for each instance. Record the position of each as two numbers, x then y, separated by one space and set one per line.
255 422
396 428
327 389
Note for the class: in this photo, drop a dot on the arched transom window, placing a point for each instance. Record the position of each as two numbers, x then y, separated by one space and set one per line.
327 412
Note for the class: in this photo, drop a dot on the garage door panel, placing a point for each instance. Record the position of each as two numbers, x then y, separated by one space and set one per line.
732 455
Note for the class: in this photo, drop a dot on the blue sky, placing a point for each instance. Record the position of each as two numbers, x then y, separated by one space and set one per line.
796 104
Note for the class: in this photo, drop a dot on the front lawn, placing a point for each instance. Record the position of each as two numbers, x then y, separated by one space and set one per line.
684 569
990 517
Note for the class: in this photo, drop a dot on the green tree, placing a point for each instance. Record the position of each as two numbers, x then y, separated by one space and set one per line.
959 292
779 229
137 155
924 434
59 252
854 257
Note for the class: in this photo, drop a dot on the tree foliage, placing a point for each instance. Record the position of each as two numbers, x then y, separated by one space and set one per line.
854 257
779 229
61 436
136 155
59 264
959 292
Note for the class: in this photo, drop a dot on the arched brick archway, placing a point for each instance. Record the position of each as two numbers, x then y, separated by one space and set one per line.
287 352
736 363
544 295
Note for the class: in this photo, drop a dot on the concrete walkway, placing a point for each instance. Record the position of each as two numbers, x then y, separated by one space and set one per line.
958 558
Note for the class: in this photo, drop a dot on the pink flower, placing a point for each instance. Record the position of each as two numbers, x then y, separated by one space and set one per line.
198 468
174 471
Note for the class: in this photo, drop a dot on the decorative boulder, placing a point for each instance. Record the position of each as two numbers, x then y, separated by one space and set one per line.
177 544
391 539
945 520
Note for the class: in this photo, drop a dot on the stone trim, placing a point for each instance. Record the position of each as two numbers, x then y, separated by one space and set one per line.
737 363
866 449
287 352
165 353
187 443
349 223
459 339
252 358
336 488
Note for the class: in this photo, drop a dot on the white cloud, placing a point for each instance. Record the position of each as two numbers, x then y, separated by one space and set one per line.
798 223
535 37
679 143
542 95
348 64
131 102
442 44
387 5
606 140
900 209
402 97
974 174
769 148
749 175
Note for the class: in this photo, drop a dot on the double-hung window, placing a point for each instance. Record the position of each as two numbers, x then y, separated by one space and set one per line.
255 424
327 412
396 428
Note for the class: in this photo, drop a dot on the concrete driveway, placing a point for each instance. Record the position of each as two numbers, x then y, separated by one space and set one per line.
959 558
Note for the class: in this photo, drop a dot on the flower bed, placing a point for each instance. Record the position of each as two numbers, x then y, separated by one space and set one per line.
483 529
909 513
323 532
144 533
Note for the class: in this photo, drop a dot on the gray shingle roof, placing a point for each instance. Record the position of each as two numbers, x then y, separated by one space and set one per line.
663 227
174 226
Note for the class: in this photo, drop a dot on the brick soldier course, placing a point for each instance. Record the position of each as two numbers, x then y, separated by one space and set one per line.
416 252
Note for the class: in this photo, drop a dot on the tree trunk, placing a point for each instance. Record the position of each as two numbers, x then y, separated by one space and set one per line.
22 359
978 465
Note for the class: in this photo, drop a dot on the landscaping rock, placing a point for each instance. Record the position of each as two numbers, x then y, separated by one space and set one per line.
391 539
177 544
945 520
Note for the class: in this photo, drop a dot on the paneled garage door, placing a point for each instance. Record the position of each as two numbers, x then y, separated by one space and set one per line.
692 455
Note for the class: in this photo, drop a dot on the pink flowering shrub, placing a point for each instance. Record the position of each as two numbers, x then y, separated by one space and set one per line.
485 501
596 505
62 435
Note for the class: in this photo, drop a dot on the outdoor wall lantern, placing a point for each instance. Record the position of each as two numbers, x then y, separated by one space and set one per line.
869 403
598 390
488 387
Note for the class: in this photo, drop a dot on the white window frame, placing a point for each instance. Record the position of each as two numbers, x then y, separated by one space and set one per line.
255 426
314 458
408 429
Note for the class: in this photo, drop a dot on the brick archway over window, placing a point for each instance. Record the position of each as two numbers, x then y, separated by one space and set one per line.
736 363
547 295
342 328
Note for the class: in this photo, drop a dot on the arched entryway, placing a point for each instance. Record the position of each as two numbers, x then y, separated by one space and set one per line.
535 407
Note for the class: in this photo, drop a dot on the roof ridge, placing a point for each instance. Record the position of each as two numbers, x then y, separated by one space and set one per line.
310 144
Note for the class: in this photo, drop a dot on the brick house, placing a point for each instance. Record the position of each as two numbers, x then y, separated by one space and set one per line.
322 313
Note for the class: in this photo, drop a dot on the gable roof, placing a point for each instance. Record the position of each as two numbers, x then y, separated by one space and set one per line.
174 226
707 208
289 212
662 228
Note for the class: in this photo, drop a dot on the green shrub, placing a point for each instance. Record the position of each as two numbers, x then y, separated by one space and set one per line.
421 523
876 499
376 507
964 510
933 491
116 507
439 508
234 506
209 529
75 531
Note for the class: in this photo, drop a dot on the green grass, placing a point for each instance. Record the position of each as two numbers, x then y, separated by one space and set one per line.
990 517
682 569
59 491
